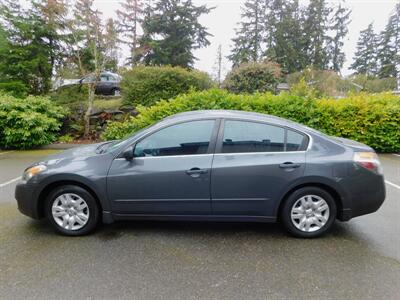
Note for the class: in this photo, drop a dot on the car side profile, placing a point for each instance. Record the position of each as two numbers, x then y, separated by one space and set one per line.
109 83
208 166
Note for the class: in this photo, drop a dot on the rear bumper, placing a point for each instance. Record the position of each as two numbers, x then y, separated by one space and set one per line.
27 199
365 202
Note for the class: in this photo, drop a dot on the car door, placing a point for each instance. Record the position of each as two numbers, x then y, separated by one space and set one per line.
102 85
170 173
253 164
110 84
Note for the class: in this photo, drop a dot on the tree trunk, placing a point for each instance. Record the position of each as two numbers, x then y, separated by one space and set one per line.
134 45
91 88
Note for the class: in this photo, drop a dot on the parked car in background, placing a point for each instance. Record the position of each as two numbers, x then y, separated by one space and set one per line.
109 83
208 166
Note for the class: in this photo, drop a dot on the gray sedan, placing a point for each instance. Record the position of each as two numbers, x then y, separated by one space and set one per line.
109 83
208 166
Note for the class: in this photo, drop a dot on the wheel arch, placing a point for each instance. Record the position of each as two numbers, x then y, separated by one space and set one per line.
336 195
53 185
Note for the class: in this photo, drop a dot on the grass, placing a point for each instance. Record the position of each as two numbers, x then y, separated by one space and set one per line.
108 104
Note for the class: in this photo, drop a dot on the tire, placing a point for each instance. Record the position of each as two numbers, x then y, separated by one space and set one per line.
308 212
73 206
116 92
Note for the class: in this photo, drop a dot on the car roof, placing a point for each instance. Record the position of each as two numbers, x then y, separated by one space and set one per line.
109 73
233 114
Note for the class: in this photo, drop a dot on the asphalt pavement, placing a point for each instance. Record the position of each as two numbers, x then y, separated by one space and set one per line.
359 259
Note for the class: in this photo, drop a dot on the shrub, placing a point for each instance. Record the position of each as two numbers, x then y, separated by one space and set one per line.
375 85
253 77
67 138
70 94
27 123
370 119
146 85
15 88
325 83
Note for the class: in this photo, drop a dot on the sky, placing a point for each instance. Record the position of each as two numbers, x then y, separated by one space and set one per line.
222 21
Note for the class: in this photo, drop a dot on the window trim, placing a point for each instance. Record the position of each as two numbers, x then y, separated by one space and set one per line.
211 146
218 149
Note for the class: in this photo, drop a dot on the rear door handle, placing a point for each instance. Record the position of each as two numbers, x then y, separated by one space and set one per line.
289 165
196 172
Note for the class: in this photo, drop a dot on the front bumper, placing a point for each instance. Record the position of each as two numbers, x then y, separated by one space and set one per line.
28 200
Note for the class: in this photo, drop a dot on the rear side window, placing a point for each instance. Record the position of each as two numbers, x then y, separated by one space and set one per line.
245 136
295 141
182 139
241 136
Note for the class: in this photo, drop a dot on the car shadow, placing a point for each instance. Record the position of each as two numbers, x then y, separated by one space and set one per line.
193 230
209 229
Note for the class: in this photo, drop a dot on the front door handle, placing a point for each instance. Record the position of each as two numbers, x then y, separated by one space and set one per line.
289 165
196 172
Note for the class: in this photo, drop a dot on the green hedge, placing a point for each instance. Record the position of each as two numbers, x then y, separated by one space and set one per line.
370 119
146 85
30 122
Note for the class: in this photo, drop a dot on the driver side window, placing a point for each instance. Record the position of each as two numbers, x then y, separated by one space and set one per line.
182 139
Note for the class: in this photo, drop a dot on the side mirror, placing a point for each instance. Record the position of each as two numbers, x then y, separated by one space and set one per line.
128 153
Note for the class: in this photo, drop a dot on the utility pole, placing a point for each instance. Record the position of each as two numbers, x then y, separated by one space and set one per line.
219 65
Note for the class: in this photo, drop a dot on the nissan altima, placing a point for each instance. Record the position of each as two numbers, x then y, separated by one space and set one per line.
208 166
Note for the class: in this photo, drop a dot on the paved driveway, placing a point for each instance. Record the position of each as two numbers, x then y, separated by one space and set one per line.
154 260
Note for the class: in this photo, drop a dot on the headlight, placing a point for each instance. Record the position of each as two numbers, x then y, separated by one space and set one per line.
29 173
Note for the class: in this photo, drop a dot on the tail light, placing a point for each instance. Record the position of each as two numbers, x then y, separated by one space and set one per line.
369 161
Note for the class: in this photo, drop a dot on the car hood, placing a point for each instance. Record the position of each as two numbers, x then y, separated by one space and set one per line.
76 153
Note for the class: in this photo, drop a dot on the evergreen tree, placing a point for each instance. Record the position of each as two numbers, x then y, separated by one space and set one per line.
130 17
284 35
365 60
389 50
339 27
111 40
53 14
30 54
171 31
249 35
316 25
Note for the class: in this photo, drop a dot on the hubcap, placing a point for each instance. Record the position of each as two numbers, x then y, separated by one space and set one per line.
70 211
310 213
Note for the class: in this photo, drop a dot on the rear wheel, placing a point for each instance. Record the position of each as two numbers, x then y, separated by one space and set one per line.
72 210
309 212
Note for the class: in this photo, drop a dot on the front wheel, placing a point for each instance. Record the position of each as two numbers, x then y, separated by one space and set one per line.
72 210
116 92
309 212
